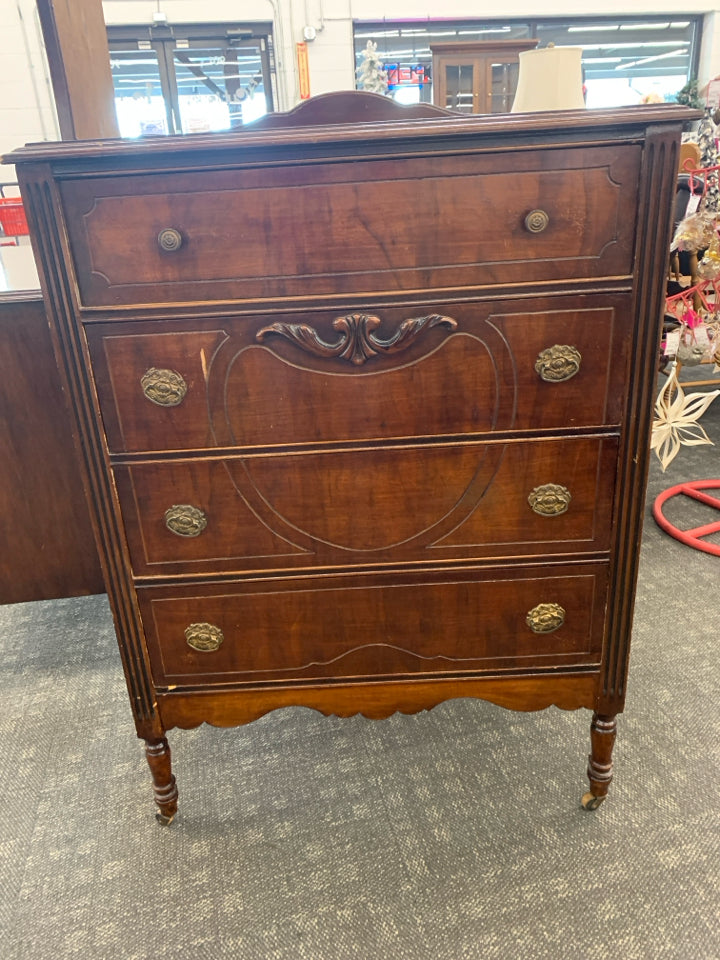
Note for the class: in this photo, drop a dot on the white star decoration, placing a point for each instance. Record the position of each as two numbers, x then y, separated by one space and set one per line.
676 419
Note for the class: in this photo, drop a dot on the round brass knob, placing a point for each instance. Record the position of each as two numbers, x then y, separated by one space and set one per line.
558 363
204 637
185 520
164 387
549 500
545 617
170 240
536 221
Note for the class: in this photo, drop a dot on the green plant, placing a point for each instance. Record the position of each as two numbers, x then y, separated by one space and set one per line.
690 95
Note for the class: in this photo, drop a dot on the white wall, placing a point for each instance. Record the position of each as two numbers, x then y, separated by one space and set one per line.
27 108
27 113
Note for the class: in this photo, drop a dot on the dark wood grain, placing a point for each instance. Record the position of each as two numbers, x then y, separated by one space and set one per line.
603 731
375 505
659 175
377 700
503 133
477 378
76 382
157 753
353 327
49 548
363 227
465 621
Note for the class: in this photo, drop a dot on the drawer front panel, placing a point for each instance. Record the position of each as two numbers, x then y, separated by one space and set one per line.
451 622
369 506
461 369
339 228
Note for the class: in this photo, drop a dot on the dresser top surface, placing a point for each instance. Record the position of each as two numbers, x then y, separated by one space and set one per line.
321 122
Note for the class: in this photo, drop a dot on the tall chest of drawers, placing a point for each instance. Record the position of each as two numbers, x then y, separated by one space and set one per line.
363 407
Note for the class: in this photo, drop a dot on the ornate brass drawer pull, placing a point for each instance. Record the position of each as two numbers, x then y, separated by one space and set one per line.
185 520
558 363
536 221
549 500
545 617
204 637
169 240
164 387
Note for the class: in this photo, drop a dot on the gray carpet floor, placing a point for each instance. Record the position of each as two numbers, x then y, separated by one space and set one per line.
448 835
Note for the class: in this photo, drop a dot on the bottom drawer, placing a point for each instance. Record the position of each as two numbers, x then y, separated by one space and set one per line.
449 622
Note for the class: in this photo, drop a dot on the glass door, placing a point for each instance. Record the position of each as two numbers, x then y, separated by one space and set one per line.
190 79
141 100
502 86
458 85
220 86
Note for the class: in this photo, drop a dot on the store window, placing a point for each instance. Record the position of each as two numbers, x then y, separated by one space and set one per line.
190 78
625 60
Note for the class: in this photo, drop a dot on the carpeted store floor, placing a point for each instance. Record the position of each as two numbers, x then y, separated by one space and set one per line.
448 835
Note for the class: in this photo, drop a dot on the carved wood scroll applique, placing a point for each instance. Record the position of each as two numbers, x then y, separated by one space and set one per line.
357 343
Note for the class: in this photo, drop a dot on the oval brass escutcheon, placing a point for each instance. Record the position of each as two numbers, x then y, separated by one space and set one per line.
170 240
558 363
205 637
536 221
545 617
164 387
550 499
185 520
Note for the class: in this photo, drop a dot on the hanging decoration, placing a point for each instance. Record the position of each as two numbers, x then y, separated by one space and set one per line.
676 419
696 308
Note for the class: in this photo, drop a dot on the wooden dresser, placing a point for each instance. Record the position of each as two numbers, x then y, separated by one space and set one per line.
363 407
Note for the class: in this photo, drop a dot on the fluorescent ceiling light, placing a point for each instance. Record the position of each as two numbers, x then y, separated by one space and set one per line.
464 33
644 26
413 52
593 29
660 56
633 46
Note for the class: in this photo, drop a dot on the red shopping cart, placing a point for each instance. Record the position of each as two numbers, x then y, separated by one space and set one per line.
13 222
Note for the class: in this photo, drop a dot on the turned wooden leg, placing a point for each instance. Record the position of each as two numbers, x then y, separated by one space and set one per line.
164 788
599 771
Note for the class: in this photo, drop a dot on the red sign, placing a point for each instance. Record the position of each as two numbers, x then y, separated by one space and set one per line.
405 76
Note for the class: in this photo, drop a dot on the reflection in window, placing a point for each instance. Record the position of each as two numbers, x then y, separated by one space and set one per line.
139 102
625 60
190 79
219 90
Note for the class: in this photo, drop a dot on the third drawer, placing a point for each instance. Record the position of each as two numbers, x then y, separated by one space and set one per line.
420 503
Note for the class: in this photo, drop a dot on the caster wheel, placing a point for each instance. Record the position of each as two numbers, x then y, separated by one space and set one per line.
163 820
591 802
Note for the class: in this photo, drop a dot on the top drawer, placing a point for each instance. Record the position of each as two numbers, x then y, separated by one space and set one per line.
336 228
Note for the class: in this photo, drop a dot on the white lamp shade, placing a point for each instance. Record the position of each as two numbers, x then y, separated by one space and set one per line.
550 79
